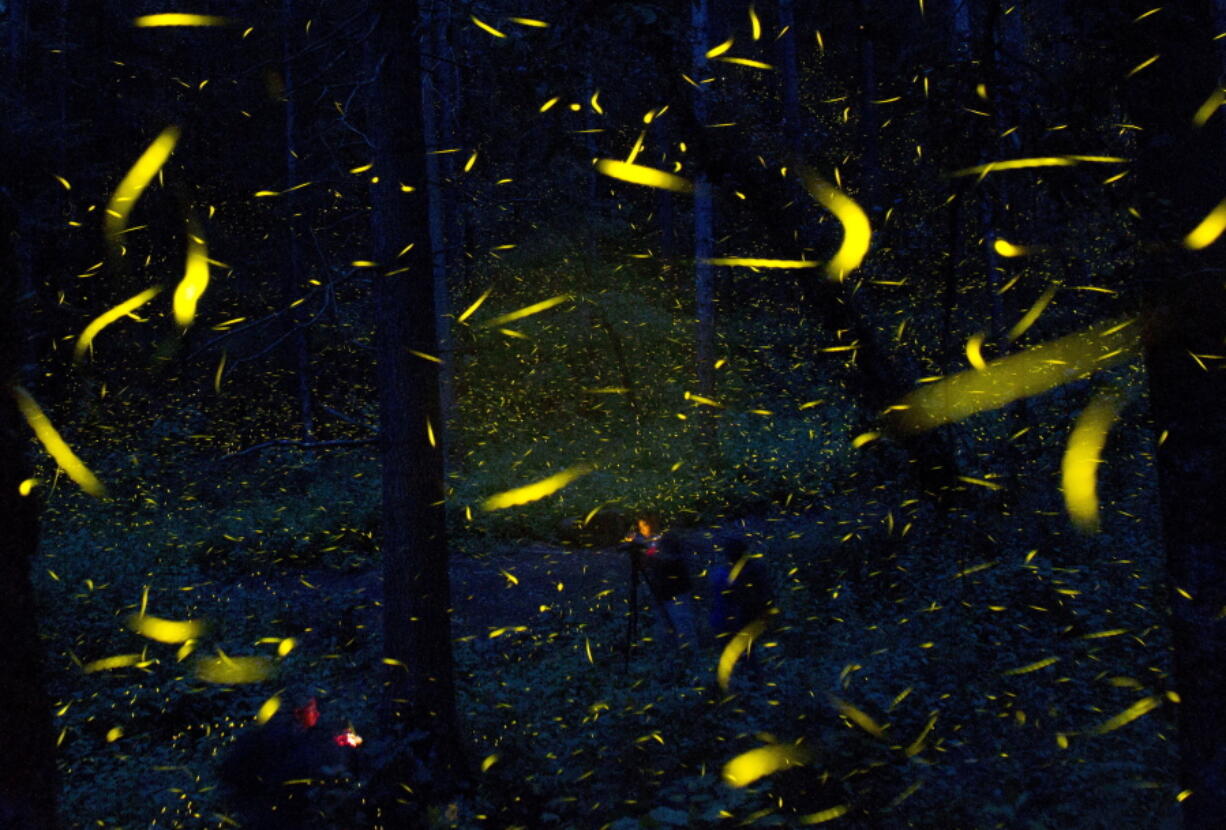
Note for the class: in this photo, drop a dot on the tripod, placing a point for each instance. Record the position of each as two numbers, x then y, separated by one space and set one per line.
632 622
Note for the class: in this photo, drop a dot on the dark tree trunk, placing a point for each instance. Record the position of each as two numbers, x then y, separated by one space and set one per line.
870 118
28 778
1179 172
434 106
789 68
295 230
417 629
704 216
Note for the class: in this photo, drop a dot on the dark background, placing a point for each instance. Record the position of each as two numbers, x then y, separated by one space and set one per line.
270 473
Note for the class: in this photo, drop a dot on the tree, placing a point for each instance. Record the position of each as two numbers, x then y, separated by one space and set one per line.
1179 175
417 629
704 221
28 779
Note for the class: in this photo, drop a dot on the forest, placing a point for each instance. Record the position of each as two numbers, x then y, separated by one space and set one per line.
612 414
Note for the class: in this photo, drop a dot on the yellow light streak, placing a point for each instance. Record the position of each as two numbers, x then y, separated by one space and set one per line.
137 179
468 312
267 709
752 262
716 51
1207 109
1142 65
690 396
485 26
737 645
1209 229
1007 249
823 816
859 718
1016 376
649 176
1032 314
1142 707
981 482
56 447
637 148
753 64
165 631
1079 469
538 490
195 281
857 232
526 311
234 670
119 661
221 368
1030 667
173 19
974 353
748 767
1046 161
86 338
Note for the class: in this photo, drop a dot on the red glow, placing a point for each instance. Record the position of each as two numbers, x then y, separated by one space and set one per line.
347 738
308 714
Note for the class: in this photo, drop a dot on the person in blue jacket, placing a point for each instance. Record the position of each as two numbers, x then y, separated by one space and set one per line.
740 593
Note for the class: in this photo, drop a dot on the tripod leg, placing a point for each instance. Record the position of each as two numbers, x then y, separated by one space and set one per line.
632 624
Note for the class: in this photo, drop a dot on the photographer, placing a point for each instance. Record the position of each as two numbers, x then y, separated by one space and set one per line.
658 558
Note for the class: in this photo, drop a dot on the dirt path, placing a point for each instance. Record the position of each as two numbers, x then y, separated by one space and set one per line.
533 586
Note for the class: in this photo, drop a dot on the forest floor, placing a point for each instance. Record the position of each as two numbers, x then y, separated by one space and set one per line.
491 592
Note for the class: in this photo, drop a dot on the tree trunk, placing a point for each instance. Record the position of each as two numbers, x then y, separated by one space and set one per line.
416 627
789 68
870 118
434 23
704 220
295 230
1179 173
28 778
